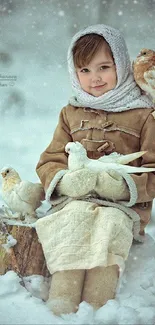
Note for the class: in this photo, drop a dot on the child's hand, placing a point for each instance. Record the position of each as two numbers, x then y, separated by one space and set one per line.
77 183
111 185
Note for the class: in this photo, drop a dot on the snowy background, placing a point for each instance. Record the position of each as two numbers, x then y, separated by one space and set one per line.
34 86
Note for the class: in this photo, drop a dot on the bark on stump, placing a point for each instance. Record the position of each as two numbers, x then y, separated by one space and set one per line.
26 257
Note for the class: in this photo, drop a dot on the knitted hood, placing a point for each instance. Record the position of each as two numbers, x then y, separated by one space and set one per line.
126 95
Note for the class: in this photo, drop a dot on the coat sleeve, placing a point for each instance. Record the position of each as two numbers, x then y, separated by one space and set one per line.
54 158
145 182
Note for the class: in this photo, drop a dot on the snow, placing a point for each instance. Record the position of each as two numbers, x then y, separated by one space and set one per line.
34 39
134 302
120 13
11 241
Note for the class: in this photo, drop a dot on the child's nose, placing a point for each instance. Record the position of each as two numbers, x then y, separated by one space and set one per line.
96 77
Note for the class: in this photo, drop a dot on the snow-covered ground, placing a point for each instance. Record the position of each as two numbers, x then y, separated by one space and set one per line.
134 303
35 35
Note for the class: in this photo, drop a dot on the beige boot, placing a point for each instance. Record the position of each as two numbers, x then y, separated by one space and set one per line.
65 291
100 285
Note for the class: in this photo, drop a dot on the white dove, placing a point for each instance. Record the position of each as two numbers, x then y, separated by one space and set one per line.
78 159
22 197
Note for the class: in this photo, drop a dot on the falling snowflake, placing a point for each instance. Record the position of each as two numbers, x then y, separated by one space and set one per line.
2 9
120 13
61 13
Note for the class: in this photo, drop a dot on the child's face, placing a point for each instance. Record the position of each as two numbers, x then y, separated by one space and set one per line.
99 76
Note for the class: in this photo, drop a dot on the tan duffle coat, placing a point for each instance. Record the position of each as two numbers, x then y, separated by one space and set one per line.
102 133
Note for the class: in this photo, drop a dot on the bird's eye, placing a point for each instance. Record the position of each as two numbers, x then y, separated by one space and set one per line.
7 171
144 53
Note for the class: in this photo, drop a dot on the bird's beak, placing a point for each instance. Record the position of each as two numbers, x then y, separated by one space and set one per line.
3 174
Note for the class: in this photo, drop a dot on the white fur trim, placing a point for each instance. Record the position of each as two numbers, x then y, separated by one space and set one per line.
54 183
132 189
57 204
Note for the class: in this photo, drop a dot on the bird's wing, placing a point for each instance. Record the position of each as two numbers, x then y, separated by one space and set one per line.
110 158
149 77
125 159
29 192
100 166
121 159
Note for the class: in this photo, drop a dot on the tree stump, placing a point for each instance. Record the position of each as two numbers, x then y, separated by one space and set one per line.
26 257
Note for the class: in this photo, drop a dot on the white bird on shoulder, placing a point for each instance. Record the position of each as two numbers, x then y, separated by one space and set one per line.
22 197
78 159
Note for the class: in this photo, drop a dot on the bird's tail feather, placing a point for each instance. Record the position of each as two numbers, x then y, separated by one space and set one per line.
132 170
124 160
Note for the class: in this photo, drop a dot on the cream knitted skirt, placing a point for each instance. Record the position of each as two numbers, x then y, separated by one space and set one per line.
84 235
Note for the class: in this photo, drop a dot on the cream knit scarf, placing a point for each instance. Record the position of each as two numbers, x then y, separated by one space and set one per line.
126 95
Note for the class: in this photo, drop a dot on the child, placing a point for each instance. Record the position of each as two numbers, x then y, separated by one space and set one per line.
96 215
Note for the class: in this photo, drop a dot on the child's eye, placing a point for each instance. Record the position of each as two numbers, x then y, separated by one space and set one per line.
84 70
104 67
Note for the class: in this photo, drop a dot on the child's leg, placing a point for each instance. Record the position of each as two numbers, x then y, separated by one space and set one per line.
65 291
100 285
101 282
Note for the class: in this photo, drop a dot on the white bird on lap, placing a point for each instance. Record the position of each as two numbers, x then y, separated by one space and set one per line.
106 177
78 159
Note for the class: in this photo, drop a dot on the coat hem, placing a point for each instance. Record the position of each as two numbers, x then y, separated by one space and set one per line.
59 202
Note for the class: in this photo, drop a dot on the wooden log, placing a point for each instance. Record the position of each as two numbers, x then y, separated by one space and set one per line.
26 257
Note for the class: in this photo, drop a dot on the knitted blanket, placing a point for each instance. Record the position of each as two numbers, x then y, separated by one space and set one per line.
84 235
